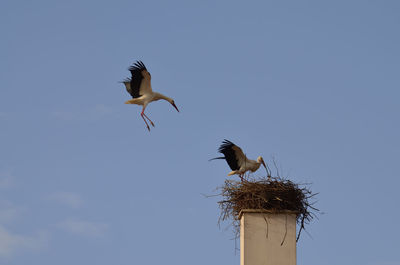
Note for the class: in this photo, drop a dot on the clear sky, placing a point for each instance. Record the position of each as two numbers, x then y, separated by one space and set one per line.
313 83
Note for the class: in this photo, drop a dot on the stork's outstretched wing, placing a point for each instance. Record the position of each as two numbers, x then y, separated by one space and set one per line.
234 155
138 84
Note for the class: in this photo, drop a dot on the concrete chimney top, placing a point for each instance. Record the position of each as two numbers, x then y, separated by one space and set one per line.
267 238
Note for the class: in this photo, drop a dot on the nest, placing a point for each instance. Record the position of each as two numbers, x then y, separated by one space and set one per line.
271 195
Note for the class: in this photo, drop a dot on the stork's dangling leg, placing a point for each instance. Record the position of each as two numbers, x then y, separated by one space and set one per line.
152 124
142 114
241 177
143 117
148 127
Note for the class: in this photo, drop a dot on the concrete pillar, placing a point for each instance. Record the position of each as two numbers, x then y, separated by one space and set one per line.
266 238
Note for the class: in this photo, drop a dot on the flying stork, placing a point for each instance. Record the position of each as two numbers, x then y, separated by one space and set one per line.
139 86
237 160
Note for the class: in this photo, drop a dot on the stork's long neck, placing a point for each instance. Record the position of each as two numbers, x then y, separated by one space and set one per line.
254 165
158 96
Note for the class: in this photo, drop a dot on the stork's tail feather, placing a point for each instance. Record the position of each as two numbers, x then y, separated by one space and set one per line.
221 157
131 101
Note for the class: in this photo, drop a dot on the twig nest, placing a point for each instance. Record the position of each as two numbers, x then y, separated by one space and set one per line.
271 195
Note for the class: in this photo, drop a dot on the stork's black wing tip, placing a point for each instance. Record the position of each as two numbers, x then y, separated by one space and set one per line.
221 157
137 66
125 80
226 144
227 149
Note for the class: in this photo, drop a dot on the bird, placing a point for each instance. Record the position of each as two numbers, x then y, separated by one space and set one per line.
139 87
237 160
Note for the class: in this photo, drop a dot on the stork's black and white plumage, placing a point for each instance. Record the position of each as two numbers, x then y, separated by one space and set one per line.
139 87
237 160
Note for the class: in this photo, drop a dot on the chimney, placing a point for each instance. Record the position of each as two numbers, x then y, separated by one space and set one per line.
266 212
267 238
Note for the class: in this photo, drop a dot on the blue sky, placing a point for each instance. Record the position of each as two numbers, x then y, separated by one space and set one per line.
314 84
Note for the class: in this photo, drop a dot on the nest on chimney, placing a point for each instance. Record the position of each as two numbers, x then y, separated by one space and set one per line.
271 195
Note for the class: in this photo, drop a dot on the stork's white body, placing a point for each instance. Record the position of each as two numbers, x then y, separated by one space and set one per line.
145 99
246 165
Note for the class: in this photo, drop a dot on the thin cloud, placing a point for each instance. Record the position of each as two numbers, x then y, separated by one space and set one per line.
84 228
11 243
8 211
6 180
69 199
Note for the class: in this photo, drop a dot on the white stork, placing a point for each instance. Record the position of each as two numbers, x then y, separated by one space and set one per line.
139 86
237 160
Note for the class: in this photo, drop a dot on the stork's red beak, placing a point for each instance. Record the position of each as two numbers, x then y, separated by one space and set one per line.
173 104
264 164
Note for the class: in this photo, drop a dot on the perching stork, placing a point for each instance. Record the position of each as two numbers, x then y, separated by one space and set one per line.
237 160
139 86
